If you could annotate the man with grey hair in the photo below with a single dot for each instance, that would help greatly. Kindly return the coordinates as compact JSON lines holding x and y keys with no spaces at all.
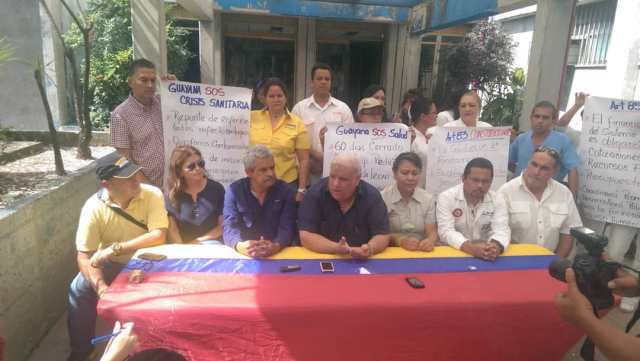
{"x":343,"y":214}
{"x":259,"y":210}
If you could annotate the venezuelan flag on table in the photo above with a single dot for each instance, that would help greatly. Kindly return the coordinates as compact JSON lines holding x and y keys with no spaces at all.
{"x":211,"y":303}
{"x":220,"y":259}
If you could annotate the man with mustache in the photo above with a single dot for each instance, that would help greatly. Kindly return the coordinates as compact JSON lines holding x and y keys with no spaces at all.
{"x":541,"y":210}
{"x":343,"y":214}
{"x":542,"y":118}
{"x":259,"y":210}
{"x":471,"y":217}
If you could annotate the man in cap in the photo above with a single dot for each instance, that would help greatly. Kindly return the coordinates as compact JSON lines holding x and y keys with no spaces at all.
{"x":122,"y":217}
{"x":370,"y":110}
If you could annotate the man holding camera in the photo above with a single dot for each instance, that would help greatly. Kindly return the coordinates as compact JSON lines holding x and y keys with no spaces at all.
{"x":575,"y":308}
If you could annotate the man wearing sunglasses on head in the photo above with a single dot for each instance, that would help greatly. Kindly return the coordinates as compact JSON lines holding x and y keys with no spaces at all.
{"x":541,"y":210}
{"x":543,"y":116}
{"x":121,"y":218}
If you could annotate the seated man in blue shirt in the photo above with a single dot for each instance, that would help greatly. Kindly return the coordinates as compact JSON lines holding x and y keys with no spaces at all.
{"x":521,"y":150}
{"x":342,"y":214}
{"x":259,"y":210}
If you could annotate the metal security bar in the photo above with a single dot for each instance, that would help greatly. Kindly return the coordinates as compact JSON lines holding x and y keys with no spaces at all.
{"x":592,"y":31}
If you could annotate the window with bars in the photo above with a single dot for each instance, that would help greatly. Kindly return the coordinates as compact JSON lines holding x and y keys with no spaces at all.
{"x":592,"y":32}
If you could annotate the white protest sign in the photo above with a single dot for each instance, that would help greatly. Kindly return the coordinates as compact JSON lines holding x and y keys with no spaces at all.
{"x":610,"y":161}
{"x":212,"y":118}
{"x":451,"y":148}
{"x":377,"y":145}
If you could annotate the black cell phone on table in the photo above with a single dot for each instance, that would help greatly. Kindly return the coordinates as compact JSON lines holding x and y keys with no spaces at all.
{"x":414,"y":282}
{"x":291,"y":268}
{"x":154,"y":257}
{"x":327,"y":267}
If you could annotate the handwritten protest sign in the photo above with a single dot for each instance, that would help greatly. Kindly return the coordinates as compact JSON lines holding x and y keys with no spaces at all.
{"x":377,"y":145}
{"x":214,"y":119}
{"x":610,"y":155}
{"x":451,"y":148}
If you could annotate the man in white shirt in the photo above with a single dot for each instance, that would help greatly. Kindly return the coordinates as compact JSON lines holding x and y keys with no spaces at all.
{"x":472,"y":218}
{"x":317,"y":111}
{"x":541,"y":210}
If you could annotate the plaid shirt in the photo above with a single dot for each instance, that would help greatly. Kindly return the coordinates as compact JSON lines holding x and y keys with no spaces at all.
{"x":139,"y":129}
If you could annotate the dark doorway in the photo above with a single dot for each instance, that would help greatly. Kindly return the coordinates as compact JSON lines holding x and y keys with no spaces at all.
{"x":249,"y":60}
{"x":356,"y":65}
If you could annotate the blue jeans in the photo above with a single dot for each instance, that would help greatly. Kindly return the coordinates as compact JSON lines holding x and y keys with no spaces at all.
{"x":82,"y":312}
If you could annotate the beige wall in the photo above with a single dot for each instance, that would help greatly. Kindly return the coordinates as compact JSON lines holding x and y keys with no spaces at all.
{"x":37,"y":262}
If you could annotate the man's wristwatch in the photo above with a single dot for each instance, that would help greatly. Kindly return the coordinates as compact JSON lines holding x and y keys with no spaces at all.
{"x":302,"y":190}
{"x":116,"y":248}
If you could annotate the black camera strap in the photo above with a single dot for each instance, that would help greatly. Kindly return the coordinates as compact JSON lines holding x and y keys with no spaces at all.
{"x":587,"y":351}
{"x":633,"y":320}
{"x":121,"y":212}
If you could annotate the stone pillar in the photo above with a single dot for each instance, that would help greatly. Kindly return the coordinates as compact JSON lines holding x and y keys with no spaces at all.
{"x":411,"y":68}
{"x":53,"y":53}
{"x":305,"y":53}
{"x":149,"y":35}
{"x":211,"y":50}
{"x":19,"y":98}
{"x":623,"y":57}
{"x":547,"y":61}
{"x":400,"y":64}
{"x":390,"y":57}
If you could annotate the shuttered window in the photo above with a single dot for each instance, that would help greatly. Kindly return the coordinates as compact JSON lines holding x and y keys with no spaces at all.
{"x":592,"y":32}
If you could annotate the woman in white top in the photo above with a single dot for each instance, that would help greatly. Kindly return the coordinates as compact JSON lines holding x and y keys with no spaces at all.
{"x":411,"y":209}
{"x":469,"y":109}
{"x":423,"y":113}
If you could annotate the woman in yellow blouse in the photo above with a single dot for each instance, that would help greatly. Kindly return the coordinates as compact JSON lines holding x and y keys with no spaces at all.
{"x":284,"y":134}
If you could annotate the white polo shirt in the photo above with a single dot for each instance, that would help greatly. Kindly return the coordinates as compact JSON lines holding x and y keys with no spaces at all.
{"x":316,"y":117}
{"x":458,"y":222}
{"x":540,"y":222}
{"x":421,"y":148}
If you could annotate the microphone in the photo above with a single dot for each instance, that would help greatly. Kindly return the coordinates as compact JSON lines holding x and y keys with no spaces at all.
{"x":558,"y":267}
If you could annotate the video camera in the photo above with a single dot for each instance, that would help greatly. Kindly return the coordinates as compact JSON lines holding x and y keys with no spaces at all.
{"x":592,"y":272}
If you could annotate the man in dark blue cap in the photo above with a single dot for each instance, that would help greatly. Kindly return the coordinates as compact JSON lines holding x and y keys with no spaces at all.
{"x":122,"y":217}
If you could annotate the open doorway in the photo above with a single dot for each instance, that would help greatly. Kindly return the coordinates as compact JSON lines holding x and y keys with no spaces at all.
{"x":354,"y":52}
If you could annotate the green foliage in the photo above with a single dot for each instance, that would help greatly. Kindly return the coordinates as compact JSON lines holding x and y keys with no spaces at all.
{"x":5,"y":133}
{"x":112,"y":54}
{"x":483,"y":59}
{"x":506,"y":108}
{"x":6,"y":51}
{"x":5,"y":136}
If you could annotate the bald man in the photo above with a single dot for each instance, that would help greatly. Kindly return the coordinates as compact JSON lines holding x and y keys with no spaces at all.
{"x":343,"y":214}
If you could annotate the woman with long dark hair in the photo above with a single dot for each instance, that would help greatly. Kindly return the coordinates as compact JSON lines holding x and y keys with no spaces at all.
{"x":411,"y":210}
{"x":284,"y":134}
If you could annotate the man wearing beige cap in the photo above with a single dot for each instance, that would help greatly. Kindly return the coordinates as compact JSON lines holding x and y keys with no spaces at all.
{"x":121,"y":218}
{"x":370,"y":110}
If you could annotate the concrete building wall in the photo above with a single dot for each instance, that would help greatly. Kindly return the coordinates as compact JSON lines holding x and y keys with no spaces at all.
{"x":521,"y":30}
{"x":19,"y":99}
{"x":619,"y":78}
{"x":37,"y":250}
